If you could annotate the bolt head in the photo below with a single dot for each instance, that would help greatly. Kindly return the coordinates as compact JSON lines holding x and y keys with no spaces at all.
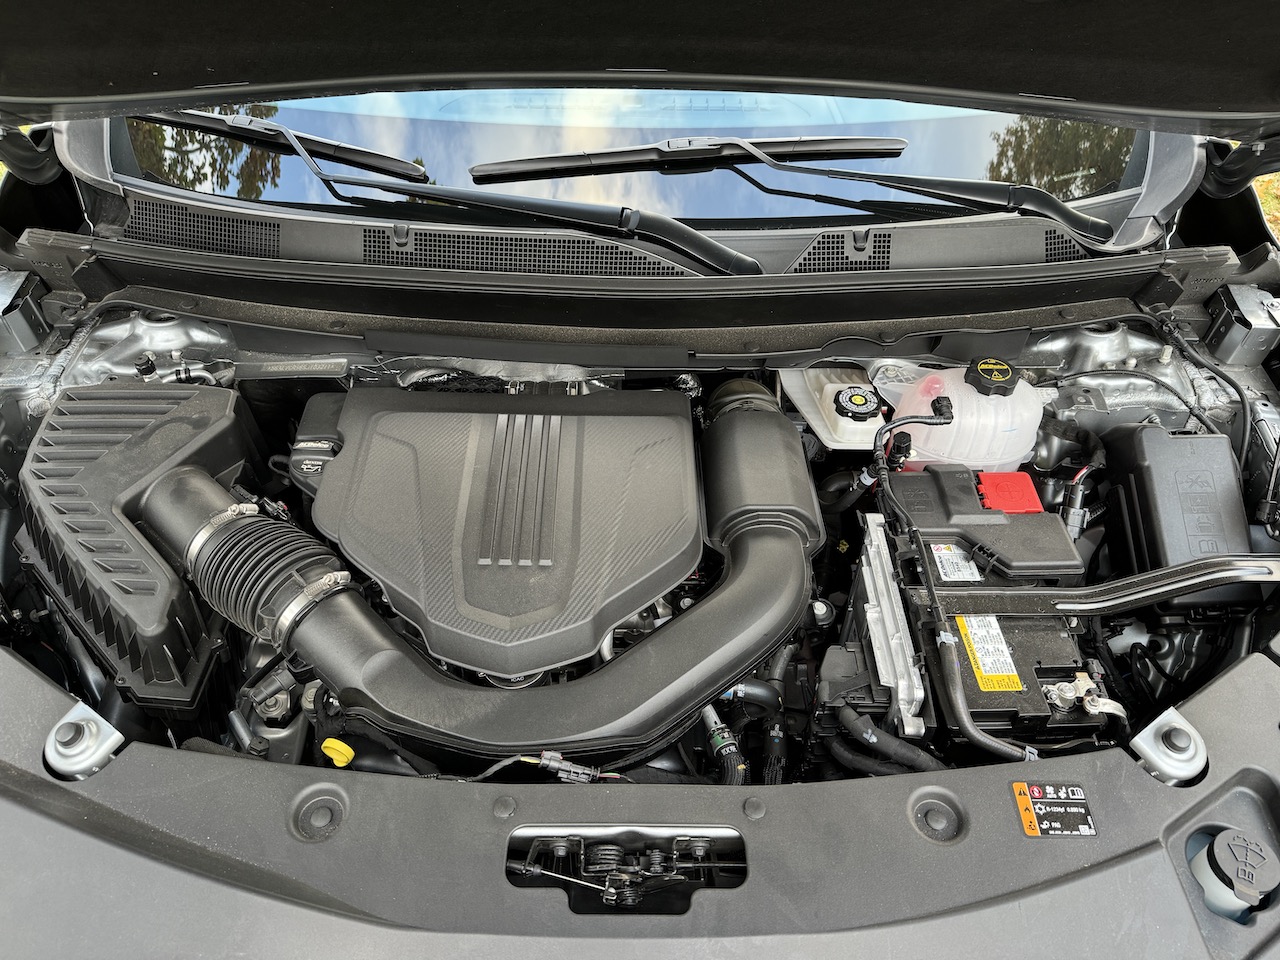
{"x":1177,"y":740}
{"x":69,"y":734}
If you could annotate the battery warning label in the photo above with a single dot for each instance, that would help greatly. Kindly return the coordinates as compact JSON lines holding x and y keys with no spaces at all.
{"x":988,"y":653}
{"x":1053,"y":810}
{"x":955,"y":564}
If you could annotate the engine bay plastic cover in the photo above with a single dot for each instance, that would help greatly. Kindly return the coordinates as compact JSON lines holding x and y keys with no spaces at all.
{"x":514,"y":530}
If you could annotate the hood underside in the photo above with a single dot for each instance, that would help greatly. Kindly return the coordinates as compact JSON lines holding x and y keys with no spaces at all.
{"x":1145,"y":64}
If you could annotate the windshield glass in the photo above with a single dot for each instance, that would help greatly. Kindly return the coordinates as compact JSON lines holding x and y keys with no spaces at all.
{"x":450,"y":131}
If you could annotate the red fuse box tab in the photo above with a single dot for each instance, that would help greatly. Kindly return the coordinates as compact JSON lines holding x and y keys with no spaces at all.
{"x":1010,"y":492}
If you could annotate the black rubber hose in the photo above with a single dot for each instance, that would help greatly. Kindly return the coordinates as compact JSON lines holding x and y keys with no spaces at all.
{"x":778,"y":666}
{"x":850,"y":759}
{"x":886,"y":744}
{"x":954,"y":688}
{"x":775,"y":754}
{"x":837,"y":483}
{"x":760,"y":694}
{"x":842,"y":490}
{"x":387,"y":763}
{"x":733,"y":770}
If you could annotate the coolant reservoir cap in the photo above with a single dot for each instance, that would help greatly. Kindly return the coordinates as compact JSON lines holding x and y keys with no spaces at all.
{"x":991,"y":376}
{"x":857,"y":403}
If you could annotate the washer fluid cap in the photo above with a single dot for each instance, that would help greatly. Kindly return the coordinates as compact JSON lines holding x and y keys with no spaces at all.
{"x":1246,"y":864}
{"x":991,"y":376}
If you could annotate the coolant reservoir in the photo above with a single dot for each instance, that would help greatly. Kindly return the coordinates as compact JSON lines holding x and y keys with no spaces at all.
{"x":997,"y":415}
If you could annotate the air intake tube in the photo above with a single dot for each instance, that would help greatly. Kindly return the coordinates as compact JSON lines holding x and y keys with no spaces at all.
{"x":271,"y":579}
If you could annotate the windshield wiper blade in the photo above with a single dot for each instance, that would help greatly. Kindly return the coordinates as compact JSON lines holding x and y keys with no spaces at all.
{"x":626,"y":223}
{"x":992,"y":195}
{"x":685,"y":154}
{"x":254,"y":132}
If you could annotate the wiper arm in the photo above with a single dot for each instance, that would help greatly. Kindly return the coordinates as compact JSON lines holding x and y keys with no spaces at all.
{"x":684,"y":154}
{"x":626,"y":223}
{"x":991,"y":195}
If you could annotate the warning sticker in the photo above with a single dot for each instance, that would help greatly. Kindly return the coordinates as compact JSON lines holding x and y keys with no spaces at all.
{"x":988,"y":653}
{"x":1053,"y":810}
{"x":954,"y":563}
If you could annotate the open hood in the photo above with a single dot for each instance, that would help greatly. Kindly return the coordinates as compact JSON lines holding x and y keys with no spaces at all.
{"x":1145,"y":64}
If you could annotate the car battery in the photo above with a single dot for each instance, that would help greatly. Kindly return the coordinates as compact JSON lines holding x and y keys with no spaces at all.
{"x":1023,"y":677}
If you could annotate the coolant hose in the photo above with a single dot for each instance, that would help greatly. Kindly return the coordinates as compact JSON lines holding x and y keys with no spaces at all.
{"x":724,"y":747}
{"x":778,"y":667}
{"x":886,"y":744}
{"x":272,"y":580}
{"x":851,"y":759}
{"x":760,"y":694}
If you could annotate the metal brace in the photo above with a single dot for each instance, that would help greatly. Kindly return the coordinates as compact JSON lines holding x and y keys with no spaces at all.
{"x":1116,"y":596}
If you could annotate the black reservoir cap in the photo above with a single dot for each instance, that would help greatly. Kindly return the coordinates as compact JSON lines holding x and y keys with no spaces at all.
{"x":857,"y":403}
{"x":1246,"y":864}
{"x":991,"y":376}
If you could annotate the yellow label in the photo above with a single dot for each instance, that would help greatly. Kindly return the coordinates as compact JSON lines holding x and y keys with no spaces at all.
{"x":1028,"y":816}
{"x":988,"y":653}
{"x":995,"y":370}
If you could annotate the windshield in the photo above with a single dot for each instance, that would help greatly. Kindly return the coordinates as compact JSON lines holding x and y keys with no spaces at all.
{"x":450,"y":131}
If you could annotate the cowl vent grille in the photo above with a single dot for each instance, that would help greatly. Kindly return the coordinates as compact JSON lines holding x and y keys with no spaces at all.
{"x":1060,"y":248}
{"x":842,"y":252}
{"x":173,"y":225}
{"x":554,"y":254}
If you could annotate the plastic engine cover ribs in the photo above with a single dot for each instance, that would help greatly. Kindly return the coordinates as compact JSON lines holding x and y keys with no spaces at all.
{"x":513,"y":531}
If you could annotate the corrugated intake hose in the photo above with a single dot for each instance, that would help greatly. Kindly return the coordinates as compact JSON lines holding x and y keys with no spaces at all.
{"x":762,"y":513}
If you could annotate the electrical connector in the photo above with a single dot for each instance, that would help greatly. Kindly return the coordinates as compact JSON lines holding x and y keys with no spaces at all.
{"x":566,"y":770}
{"x":1073,"y":513}
{"x":1268,"y":511}
{"x":899,"y":450}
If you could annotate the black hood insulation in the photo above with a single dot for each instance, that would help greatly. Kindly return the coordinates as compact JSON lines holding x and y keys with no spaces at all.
{"x":1156,"y":65}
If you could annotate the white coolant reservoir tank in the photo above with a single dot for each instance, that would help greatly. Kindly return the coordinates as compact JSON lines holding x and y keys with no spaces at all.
{"x":839,"y":404}
{"x":996,"y":415}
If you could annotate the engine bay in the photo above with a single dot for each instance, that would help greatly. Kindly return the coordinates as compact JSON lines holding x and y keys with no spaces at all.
{"x":470,"y":570}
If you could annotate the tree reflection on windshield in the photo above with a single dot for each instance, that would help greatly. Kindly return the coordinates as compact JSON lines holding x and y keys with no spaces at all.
{"x":198,"y":161}
{"x":1065,"y":157}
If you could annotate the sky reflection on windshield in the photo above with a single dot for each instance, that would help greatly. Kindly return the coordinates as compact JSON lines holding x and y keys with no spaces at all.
{"x":450,"y":131}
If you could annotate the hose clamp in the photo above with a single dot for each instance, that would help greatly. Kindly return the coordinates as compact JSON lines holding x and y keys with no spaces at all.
{"x":233,"y":512}
{"x":307,"y":598}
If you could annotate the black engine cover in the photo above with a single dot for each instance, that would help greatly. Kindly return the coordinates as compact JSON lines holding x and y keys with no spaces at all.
{"x":513,"y":530}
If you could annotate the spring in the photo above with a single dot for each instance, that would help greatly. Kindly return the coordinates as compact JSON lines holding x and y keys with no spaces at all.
{"x":602,"y":858}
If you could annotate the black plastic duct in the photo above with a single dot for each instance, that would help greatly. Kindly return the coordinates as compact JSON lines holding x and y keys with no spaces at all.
{"x":762,"y":512}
